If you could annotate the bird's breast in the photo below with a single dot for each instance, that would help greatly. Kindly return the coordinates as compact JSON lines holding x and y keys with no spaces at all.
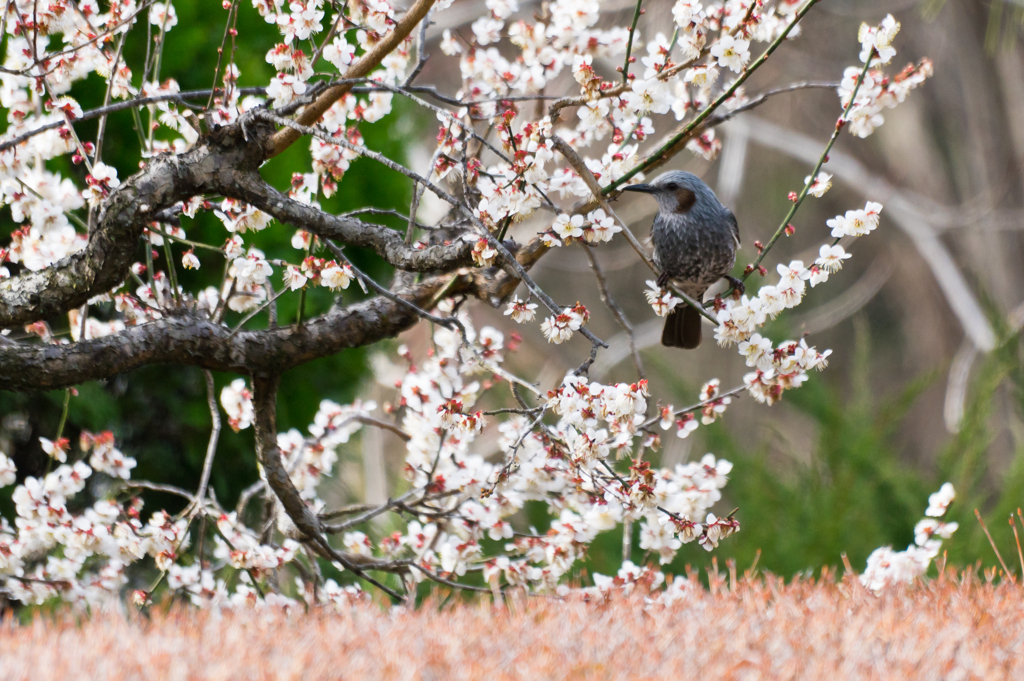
{"x":693,"y":251}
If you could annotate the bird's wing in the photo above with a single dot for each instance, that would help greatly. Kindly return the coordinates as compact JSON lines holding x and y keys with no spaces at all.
{"x":734,"y":225}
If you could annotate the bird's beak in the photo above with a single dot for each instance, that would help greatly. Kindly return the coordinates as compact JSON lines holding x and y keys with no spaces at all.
{"x":645,"y":188}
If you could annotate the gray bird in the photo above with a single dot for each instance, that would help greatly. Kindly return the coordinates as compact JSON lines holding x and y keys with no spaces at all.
{"x":695,"y":240}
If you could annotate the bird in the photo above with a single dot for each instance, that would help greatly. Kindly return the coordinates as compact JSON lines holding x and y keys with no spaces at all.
{"x":695,"y":239}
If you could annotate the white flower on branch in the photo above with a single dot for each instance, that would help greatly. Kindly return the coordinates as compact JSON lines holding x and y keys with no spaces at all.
{"x":705,"y":145}
{"x":336,"y":276}
{"x":234,"y":247}
{"x":237,"y":402}
{"x":701,"y":75}
{"x":661,"y":299}
{"x":101,"y":181}
{"x":106,"y":458}
{"x":521,"y":311}
{"x":55,"y":449}
{"x":879,"y":39}
{"x":163,"y":16}
{"x":685,"y":424}
{"x":648,"y":96}
{"x":686,"y":11}
{"x":483,"y":253}
{"x":858,"y":222}
{"x":284,"y":88}
{"x":568,"y":227}
{"x":294,"y":279}
{"x":601,"y":227}
{"x":732,"y":53}
{"x":252,"y":269}
{"x":831,"y":258}
{"x":339,"y":52}
{"x":8,"y":473}
{"x":886,"y":567}
{"x":239,"y":217}
{"x":583,"y":72}
{"x":940,"y":501}
{"x":822,"y":183}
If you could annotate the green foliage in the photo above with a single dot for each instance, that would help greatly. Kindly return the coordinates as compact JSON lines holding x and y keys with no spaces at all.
{"x":996,"y":489}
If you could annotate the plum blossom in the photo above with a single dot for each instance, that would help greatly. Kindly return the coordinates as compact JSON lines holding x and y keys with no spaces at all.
{"x":521,"y":311}
{"x":55,"y":449}
{"x":856,"y":222}
{"x":337,"y":276}
{"x":830,"y":258}
{"x":660,"y":299}
{"x":879,"y":38}
{"x":568,"y":227}
{"x":685,"y":11}
{"x":732,"y":53}
{"x":602,"y":227}
{"x":252,"y":269}
{"x":339,"y":52}
{"x":685,"y":424}
{"x":560,"y":328}
{"x":101,"y":181}
{"x":237,"y":402}
{"x":8,"y":472}
{"x":483,"y":253}
{"x":284,"y":88}
{"x":940,"y":501}
{"x":886,"y":566}
{"x":163,"y":16}
{"x":649,"y":96}
{"x":821,"y":184}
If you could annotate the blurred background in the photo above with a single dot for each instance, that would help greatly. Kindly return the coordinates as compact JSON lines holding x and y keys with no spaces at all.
{"x":925,"y":383}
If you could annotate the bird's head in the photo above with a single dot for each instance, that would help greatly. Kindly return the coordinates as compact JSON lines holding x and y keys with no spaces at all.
{"x":677,"y":191}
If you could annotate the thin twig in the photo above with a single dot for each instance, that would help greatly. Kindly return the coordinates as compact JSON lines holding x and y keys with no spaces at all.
{"x":1006,"y":570}
{"x":211,"y":446}
{"x":1016,"y":537}
{"x":629,"y":42}
{"x":617,"y":313}
{"x":814,"y":174}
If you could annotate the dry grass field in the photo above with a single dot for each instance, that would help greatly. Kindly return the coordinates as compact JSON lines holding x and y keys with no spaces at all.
{"x":955,"y":627}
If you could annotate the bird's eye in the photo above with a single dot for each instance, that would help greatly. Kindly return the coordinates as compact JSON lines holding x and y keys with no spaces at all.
{"x":672,"y":185}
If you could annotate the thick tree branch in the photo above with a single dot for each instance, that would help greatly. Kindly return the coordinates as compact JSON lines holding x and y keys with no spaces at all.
{"x":269,"y":454}
{"x":223,"y":158}
{"x":264,"y":388}
{"x":192,"y":339}
{"x":386,"y":242}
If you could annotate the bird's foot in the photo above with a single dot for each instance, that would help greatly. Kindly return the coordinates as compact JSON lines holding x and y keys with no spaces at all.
{"x":663,"y":280}
{"x":738,"y":288}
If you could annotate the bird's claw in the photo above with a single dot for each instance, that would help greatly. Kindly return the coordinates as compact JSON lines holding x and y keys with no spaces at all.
{"x":737,"y":286}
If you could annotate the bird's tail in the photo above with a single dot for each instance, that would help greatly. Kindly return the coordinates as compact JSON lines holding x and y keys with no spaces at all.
{"x":682,"y":328}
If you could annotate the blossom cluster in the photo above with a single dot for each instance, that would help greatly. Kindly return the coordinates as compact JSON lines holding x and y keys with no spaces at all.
{"x":886,"y":566}
{"x":878,"y":91}
{"x":585,"y":449}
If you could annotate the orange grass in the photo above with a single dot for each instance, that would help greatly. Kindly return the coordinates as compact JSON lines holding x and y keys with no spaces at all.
{"x":955,"y":627}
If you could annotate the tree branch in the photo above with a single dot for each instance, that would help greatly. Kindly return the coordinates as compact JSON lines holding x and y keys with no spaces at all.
{"x":103,"y":264}
{"x":369,"y":61}
{"x":386,"y":242}
{"x":193,"y":339}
